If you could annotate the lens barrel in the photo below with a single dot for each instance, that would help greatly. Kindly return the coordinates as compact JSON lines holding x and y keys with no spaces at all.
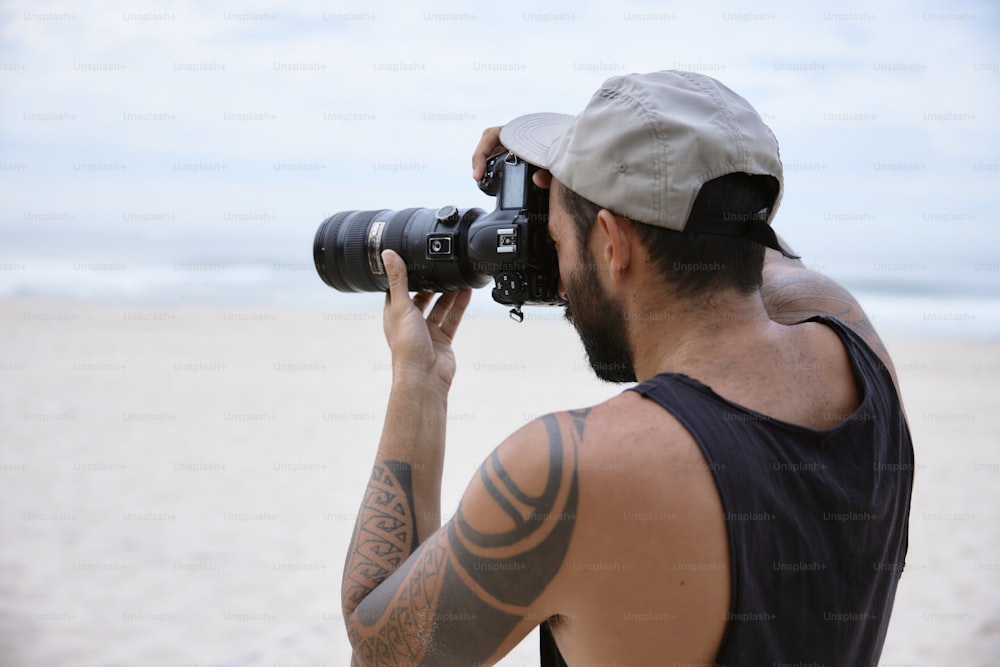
{"x":347,"y":250}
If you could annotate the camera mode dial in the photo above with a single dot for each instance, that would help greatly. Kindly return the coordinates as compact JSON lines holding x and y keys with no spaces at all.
{"x":447,"y":215}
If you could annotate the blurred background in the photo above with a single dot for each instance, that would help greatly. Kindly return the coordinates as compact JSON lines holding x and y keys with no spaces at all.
{"x":183,"y":151}
{"x":187,"y":413}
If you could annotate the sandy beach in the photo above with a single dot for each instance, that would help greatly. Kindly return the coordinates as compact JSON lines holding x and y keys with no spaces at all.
{"x":180,"y":483}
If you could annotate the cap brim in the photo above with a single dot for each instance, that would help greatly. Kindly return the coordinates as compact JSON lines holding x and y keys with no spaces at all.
{"x":532,"y":137}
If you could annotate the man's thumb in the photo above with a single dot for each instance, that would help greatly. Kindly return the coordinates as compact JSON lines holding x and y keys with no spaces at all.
{"x":395,"y":271}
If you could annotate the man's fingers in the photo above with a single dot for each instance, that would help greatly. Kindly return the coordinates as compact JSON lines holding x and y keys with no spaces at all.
{"x":487,"y":146}
{"x":421,"y":299}
{"x":448,"y":310}
{"x":450,"y":324}
{"x":542,"y":178}
{"x":441,"y":307}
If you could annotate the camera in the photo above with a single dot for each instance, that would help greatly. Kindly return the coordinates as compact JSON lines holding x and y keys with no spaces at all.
{"x":450,"y":248}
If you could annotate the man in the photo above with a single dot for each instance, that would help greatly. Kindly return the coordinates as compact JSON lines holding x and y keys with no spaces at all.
{"x":745,"y":503}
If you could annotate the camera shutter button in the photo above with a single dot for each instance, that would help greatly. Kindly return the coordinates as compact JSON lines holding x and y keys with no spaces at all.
{"x":447,"y":215}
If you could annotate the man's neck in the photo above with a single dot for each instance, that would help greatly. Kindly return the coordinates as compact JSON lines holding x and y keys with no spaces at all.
{"x":697,"y":339}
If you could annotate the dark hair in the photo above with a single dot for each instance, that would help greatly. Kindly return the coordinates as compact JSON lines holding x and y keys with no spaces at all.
{"x":698,"y":264}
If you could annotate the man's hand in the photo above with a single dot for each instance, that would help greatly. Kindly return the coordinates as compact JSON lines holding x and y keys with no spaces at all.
{"x":488,"y":146}
{"x":421,"y":348}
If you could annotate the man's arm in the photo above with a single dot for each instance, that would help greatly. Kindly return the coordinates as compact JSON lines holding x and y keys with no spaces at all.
{"x":416,"y":593}
{"x":473,"y":589}
{"x":389,"y":526}
{"x":401,"y":504}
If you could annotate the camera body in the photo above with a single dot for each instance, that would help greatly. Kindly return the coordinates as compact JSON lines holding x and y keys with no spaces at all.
{"x":451,"y":248}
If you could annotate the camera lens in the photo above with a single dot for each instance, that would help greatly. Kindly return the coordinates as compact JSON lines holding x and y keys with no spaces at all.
{"x":347,"y":250}
{"x":340,"y":252}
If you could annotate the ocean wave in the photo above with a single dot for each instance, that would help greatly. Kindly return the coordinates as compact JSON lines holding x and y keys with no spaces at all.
{"x":962,"y":299}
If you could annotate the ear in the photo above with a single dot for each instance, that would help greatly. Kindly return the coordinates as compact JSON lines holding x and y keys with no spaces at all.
{"x":618,"y":238}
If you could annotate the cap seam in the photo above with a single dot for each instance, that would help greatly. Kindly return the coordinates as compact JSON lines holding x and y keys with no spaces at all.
{"x":732,"y":126}
{"x":652,"y":130}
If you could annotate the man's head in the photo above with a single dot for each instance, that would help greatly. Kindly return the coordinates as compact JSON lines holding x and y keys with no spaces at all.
{"x":695,"y":264}
{"x":597,"y":317}
{"x":646,"y":144}
{"x":687,"y":164}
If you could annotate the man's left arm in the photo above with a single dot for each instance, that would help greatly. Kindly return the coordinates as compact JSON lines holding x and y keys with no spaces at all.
{"x":401,"y":504}
{"x":393,"y":518}
{"x":478,"y":585}
{"x":416,"y":593}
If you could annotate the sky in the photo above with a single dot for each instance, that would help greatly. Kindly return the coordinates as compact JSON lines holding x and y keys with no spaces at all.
{"x":132,"y":127}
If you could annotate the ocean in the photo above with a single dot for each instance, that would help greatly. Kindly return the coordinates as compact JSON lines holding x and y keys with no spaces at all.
{"x":957,"y":297}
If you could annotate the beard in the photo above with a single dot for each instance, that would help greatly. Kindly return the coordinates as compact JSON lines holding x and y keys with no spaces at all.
{"x":600,"y":322}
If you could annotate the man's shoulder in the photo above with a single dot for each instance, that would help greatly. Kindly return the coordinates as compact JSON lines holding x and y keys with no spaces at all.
{"x":647,"y":502}
{"x":623,"y":424}
{"x":631,"y":422}
{"x":612,"y":445}
{"x":628,"y":446}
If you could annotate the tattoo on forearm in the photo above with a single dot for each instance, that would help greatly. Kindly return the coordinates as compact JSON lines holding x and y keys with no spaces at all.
{"x":385,"y":534}
{"x":465,"y":590}
{"x":410,"y":616}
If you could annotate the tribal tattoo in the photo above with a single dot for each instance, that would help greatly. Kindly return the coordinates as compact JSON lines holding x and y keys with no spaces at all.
{"x":790,"y":298}
{"x":385,"y":534}
{"x":466,"y":588}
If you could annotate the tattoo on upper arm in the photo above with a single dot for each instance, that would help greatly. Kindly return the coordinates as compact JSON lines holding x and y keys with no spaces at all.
{"x":790,"y":299}
{"x":466,"y":589}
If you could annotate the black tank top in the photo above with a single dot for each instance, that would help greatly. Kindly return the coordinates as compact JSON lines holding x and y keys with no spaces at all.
{"x":817,"y":520}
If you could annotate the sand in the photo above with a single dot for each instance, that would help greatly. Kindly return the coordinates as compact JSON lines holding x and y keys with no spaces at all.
{"x":180,"y":483}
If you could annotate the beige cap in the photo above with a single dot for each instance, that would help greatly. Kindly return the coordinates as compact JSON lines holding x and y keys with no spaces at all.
{"x":646,"y":143}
